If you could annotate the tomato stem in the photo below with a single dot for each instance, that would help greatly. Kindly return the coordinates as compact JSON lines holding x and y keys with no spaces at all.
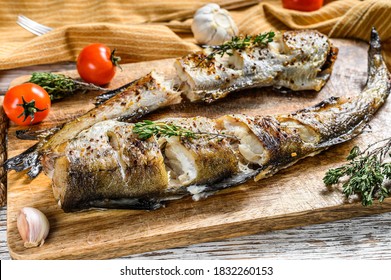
{"x":29,"y":109}
{"x":115,"y":59}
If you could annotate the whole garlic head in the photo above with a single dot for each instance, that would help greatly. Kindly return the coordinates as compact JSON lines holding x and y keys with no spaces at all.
{"x":33,"y":226}
{"x":213,"y":25}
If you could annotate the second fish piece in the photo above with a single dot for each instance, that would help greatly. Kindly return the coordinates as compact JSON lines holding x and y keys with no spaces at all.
{"x":297,"y":60}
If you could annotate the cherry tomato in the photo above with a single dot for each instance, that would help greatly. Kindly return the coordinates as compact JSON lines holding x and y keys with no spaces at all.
{"x":302,"y":5}
{"x":26,"y":104}
{"x":97,"y":64}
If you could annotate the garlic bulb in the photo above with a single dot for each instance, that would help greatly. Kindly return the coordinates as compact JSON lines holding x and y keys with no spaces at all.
{"x":213,"y":25}
{"x":33,"y":226}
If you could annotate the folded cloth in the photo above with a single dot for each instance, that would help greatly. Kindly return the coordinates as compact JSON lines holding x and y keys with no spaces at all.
{"x":156,"y":29}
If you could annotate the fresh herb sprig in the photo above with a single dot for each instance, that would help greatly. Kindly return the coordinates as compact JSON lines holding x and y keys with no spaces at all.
{"x":240,"y":43}
{"x":366,"y":172}
{"x":146,"y":129}
{"x":58,"y":85}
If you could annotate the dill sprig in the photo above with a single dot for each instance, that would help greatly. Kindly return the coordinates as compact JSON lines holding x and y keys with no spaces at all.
{"x":240,"y":43}
{"x":366,"y":173}
{"x":58,"y":85}
{"x":146,"y":129}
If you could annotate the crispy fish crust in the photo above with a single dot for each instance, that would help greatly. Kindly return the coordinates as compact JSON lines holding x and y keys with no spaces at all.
{"x":144,"y":174}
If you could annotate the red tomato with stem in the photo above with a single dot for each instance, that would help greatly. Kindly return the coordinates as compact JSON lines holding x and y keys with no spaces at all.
{"x":302,"y":5}
{"x":26,"y":104}
{"x":97,"y":64}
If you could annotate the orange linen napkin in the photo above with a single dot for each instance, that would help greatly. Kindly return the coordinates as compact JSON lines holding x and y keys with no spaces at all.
{"x":155,"y":29}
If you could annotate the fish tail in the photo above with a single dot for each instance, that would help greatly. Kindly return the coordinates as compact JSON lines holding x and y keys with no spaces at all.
{"x":100,"y":99}
{"x":375,"y":44}
{"x":376,"y":64}
{"x":28,"y":160}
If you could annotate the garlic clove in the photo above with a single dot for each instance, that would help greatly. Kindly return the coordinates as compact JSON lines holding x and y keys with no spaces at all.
{"x":220,"y":34}
{"x":33,"y":227}
{"x":204,"y":33}
{"x":213,"y":25}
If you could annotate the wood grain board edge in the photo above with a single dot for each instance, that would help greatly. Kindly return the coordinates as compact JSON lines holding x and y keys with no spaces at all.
{"x":218,"y":233}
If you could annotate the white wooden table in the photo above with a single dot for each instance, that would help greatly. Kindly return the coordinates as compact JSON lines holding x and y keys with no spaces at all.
{"x":358,"y":238}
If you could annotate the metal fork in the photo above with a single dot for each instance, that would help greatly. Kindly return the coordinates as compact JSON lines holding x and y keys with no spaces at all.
{"x":33,"y":26}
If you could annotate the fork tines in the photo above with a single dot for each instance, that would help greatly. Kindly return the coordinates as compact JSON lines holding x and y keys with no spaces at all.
{"x":33,"y":26}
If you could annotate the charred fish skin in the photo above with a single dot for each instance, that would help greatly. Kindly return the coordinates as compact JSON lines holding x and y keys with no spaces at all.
{"x":107,"y":161}
{"x":298,"y":60}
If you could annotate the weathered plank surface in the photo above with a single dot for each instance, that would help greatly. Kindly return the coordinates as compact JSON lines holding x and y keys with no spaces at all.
{"x":277,"y":203}
{"x":358,"y":238}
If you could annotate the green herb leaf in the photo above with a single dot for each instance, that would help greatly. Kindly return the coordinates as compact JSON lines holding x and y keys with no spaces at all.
{"x":239,"y":43}
{"x":365,"y":173}
{"x":354,"y":153}
{"x":146,"y":129}
{"x":58,"y":85}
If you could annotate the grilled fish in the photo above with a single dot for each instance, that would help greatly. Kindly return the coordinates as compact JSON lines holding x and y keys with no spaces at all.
{"x":108,"y":165}
{"x":298,"y":60}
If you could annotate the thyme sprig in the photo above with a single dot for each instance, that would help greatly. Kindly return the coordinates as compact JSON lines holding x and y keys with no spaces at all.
{"x":239,"y":43}
{"x":58,"y":85}
{"x":366,"y":172}
{"x":146,"y":129}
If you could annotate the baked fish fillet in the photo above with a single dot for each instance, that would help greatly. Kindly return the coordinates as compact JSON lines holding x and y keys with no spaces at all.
{"x":298,"y":60}
{"x":108,"y":165}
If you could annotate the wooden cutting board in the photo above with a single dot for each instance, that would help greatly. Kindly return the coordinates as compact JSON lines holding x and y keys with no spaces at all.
{"x":294,"y":197}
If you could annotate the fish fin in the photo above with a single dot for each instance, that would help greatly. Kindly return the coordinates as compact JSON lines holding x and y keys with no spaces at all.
{"x":203,"y":191}
{"x":31,"y":134}
{"x":100,"y":99}
{"x":29,"y":159}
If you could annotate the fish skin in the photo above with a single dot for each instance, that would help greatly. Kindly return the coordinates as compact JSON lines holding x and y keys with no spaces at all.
{"x":285,"y":139}
{"x":298,"y":60}
{"x":107,"y":161}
